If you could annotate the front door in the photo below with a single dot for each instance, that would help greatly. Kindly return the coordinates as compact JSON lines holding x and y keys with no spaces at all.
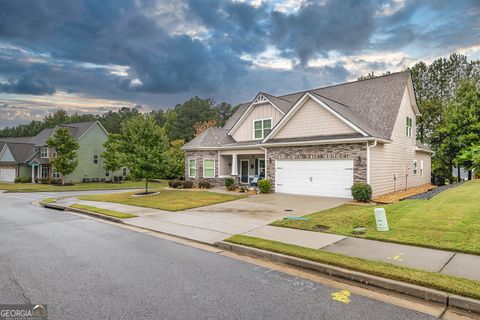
{"x":244,"y":171}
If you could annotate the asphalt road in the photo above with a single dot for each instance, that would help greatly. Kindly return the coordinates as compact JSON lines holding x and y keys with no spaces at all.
{"x":86,"y":269}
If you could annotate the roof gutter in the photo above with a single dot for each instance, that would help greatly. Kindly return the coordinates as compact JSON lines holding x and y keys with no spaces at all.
{"x":292,"y":143}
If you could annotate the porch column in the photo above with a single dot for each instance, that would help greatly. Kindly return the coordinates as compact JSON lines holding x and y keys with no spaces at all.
{"x":33,"y":174}
{"x":234,"y":165}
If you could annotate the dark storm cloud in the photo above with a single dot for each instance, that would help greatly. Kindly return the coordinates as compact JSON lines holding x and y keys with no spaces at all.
{"x":29,"y":83}
{"x":319,"y":28}
{"x":56,"y":38}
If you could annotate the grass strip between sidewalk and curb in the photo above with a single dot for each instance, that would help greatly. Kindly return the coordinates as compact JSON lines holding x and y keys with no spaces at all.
{"x":106,"y":212}
{"x":433,"y":280}
{"x":49,"y":200}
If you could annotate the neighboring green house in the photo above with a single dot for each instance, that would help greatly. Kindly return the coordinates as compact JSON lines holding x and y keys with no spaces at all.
{"x":30,"y":156}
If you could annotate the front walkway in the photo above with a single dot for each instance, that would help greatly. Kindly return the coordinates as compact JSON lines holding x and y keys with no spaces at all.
{"x":452,"y":263}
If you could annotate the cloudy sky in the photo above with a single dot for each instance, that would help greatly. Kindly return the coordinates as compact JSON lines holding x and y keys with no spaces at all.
{"x":94,"y":56}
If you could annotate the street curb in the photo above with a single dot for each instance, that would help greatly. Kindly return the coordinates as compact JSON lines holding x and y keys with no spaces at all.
{"x":94,"y":214}
{"x":393,"y":285}
{"x":86,"y":212}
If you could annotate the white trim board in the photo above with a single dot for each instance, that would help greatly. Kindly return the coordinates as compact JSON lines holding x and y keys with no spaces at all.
{"x":249,"y":109}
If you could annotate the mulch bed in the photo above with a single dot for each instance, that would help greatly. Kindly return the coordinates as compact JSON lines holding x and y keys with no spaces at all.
{"x":403,"y":194}
{"x":432,"y":193}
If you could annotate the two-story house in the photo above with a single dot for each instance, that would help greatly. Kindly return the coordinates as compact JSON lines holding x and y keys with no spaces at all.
{"x":319,"y":142}
{"x":30,"y":156}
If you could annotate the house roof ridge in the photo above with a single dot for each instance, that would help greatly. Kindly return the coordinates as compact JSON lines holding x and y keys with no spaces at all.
{"x":345,"y":83}
{"x":322,"y":96}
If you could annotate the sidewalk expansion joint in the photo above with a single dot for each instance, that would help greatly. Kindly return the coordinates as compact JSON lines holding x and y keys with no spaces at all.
{"x":448,"y":261}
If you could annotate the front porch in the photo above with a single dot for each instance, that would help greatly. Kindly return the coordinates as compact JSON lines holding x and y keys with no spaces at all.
{"x":242,"y":165}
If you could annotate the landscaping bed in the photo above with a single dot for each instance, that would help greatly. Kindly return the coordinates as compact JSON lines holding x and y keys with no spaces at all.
{"x":170,"y":200}
{"x":434,"y":280}
{"x":403,"y":194}
{"x":433,"y":192}
{"x":449,"y":221}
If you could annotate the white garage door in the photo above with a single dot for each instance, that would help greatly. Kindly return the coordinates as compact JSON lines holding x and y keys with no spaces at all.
{"x":328,"y":178}
{"x":7,"y":175}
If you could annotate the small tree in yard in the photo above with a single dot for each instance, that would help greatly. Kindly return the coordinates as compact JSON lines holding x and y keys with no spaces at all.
{"x":175,"y":159}
{"x":112,"y":157}
{"x":66,"y":146}
{"x":142,"y":145}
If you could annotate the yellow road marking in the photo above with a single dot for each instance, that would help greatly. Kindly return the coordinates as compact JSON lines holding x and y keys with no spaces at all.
{"x":342,"y":296}
{"x":397,"y":257}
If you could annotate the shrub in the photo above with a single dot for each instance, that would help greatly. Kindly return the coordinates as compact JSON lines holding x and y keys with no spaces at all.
{"x":477,"y":175}
{"x":175,"y":183}
{"x":230,"y":183}
{"x":362,"y":192}
{"x":187,"y":184}
{"x":55,"y":181}
{"x":23,"y":180}
{"x":44,"y":180}
{"x":243,"y":189}
{"x":264,"y":186}
{"x":204,"y":184}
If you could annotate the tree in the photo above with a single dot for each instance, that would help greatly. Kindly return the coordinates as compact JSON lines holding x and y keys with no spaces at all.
{"x":175,"y":158}
{"x":472,"y":157}
{"x":142,"y":145}
{"x":112,"y":158}
{"x":65,"y":146}
{"x":195,"y":110}
{"x":224,"y":111}
{"x":202,"y":126}
{"x":461,"y":126}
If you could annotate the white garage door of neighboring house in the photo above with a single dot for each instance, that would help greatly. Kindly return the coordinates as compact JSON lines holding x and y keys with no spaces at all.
{"x":328,"y":178}
{"x":7,"y":174}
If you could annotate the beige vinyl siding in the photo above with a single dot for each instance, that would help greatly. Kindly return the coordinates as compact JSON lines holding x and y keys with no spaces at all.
{"x":397,"y":157}
{"x":312,"y":119}
{"x":261,"y":111}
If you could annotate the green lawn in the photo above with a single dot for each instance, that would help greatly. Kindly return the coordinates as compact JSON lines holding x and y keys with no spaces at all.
{"x":170,"y":200}
{"x":29,"y":187}
{"x":106,"y":212}
{"x":451,"y":284}
{"x":450,"y":220}
{"x":49,"y":200}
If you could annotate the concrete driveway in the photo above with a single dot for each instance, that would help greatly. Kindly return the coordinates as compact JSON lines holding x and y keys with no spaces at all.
{"x":217,"y":222}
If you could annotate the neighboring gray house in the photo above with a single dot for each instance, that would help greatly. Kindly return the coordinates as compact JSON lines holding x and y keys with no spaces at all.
{"x":319,"y":142}
{"x":30,"y":156}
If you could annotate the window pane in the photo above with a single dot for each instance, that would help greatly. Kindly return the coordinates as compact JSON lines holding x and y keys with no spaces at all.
{"x":209,"y":173}
{"x":258,"y":134}
{"x":208,"y":164}
{"x":192,"y":172}
{"x":191,"y":164}
{"x":267,"y":124}
{"x":258,"y":124}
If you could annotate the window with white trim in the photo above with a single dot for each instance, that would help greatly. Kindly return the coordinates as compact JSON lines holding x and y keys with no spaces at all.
{"x":421,"y":168}
{"x":107,"y":173}
{"x":124,"y":171}
{"x":414,"y":166}
{"x":208,"y":168}
{"x":192,"y":168}
{"x":261,"y":128}
{"x":95,"y":159}
{"x":44,"y":152}
{"x":409,"y":127}
{"x":44,"y":172}
{"x":54,"y":154}
{"x":55,"y":174}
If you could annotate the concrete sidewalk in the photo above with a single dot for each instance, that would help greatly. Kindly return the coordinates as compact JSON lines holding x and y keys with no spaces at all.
{"x":447,"y":262}
{"x":210,"y":226}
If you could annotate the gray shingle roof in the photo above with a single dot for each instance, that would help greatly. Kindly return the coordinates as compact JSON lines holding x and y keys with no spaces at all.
{"x":372,"y":105}
{"x":23,"y":148}
{"x":20,"y":151}
{"x":210,"y":138}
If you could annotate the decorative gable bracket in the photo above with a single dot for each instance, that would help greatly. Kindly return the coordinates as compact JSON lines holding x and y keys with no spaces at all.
{"x":260,"y":99}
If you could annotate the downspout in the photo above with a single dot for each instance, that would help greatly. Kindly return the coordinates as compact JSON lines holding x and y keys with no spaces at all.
{"x":266,"y":161}
{"x":369,"y":159}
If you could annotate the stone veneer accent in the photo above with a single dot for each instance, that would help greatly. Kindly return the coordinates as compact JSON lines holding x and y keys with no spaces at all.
{"x":199,"y":156}
{"x":354,"y":151}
